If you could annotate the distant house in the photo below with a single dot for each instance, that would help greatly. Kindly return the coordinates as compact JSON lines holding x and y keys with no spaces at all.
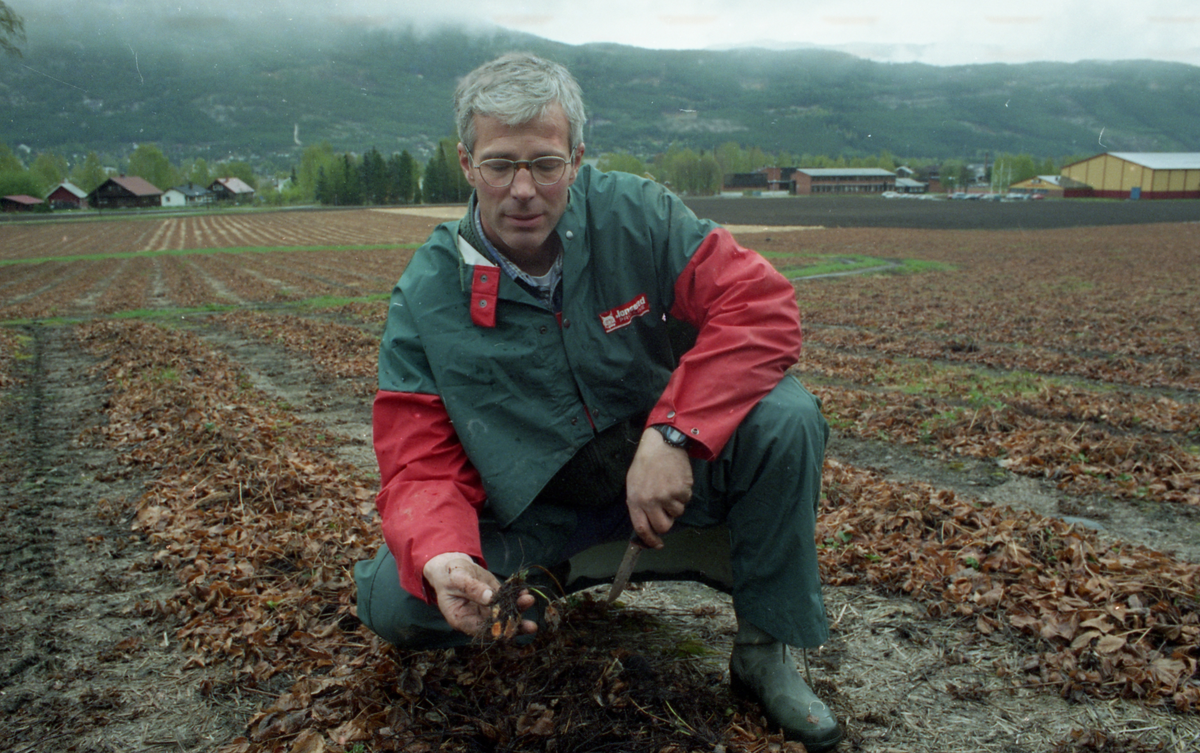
{"x":67,"y":195}
{"x":231,"y":189}
{"x":812,"y":180}
{"x":1136,"y":175}
{"x":19,"y":203}
{"x":123,"y":192}
{"x":187,"y":196}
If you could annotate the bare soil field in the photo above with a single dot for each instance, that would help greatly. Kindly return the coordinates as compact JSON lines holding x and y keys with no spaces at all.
{"x":940,"y":214}
{"x":1011,"y":540}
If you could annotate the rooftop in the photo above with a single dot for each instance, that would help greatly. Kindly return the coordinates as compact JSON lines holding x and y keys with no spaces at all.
{"x":848,"y":172}
{"x":1162,"y":160}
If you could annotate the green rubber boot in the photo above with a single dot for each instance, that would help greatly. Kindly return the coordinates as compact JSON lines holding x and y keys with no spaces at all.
{"x":765,"y":672}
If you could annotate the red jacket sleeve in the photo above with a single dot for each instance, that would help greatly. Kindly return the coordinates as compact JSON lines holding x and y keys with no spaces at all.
{"x":430,"y":494}
{"x":748,"y":328}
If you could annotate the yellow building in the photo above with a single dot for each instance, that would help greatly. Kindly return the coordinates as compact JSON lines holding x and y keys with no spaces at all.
{"x":1145,"y":175}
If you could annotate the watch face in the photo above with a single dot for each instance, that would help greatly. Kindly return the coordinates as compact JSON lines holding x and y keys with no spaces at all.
{"x":672,"y":436}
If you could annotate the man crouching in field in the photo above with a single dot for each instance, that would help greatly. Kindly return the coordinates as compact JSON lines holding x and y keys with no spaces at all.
{"x":531,"y":403}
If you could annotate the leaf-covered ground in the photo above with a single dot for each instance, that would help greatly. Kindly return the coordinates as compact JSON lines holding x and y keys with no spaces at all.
{"x":241,"y":494}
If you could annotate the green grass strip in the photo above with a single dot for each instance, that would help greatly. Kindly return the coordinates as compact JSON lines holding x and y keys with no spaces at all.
{"x":202,"y":251}
{"x":816,"y":265}
{"x":851,"y":265}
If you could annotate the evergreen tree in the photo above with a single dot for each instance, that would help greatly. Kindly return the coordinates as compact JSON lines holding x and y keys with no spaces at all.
{"x":436,"y":188}
{"x":352,"y":187}
{"x":321,"y":187}
{"x":458,"y":189}
{"x":403,"y":178}
{"x":373,"y":174}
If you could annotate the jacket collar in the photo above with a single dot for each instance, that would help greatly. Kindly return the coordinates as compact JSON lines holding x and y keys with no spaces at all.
{"x":470,"y":245}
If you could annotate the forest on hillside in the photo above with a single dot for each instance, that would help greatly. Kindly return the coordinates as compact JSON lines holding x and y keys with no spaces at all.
{"x":263,"y":95}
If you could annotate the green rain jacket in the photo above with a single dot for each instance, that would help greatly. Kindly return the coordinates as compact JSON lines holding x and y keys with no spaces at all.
{"x":484,"y":394}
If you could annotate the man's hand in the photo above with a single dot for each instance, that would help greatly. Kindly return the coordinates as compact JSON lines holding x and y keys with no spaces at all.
{"x":464,"y":592}
{"x":658,"y":487}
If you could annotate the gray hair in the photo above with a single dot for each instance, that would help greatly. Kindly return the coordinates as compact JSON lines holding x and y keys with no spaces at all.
{"x":517,"y":88}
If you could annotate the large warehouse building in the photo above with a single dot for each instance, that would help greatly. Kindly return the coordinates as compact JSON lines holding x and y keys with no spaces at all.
{"x":1136,"y":175}
{"x":843,"y":180}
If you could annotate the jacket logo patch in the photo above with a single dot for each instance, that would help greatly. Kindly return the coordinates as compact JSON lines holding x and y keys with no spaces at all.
{"x":622,"y":316}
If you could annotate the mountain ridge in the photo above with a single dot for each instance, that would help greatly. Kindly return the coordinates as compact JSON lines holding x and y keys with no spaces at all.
{"x":220,"y":91}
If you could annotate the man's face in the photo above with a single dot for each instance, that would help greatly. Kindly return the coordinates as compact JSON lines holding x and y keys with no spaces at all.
{"x":519,"y":218}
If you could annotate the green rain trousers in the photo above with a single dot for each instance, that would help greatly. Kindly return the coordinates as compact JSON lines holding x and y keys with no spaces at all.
{"x":763,"y":489}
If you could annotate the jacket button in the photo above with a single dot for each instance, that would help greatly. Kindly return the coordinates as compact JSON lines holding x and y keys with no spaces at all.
{"x":566,"y":323}
{"x":570,"y":234}
{"x":541,"y":330}
{"x":595,"y":412}
{"x":482,"y":303}
{"x":671,"y":414}
{"x":574,"y":421}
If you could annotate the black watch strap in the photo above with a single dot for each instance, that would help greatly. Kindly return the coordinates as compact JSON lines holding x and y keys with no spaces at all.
{"x":671,"y":435}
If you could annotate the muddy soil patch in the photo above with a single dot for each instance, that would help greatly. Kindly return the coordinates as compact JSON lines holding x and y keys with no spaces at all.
{"x":343,"y":407}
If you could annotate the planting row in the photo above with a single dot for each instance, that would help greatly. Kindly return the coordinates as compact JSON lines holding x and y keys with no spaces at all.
{"x":112,"y":285}
{"x":1083,"y":457}
{"x":1166,"y":371}
{"x":249,"y":230}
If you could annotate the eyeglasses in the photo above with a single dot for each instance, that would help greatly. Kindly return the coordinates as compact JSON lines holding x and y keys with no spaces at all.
{"x":499,"y":173}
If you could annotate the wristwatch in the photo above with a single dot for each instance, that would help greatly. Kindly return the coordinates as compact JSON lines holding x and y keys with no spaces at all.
{"x":672,"y":436}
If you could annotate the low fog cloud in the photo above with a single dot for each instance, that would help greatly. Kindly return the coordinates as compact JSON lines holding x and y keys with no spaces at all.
{"x":939,"y":32}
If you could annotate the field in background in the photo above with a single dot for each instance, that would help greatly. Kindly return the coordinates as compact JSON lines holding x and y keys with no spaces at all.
{"x":1057,"y":369}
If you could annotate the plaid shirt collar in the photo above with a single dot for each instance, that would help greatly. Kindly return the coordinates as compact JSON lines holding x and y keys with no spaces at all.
{"x":545,"y":288}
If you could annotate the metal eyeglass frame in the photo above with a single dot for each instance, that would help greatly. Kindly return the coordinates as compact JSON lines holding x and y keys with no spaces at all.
{"x":515,"y":166}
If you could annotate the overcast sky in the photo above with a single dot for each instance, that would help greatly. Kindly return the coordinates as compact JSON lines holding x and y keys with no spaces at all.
{"x":938,"y":32}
